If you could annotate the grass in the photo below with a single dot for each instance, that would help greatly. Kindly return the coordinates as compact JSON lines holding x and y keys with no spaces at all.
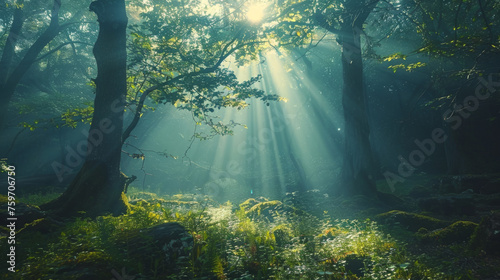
{"x":259,"y":239}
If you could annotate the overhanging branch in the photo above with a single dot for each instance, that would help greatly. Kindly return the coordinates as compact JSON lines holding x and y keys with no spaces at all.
{"x":225,"y":53}
{"x":59,"y":47}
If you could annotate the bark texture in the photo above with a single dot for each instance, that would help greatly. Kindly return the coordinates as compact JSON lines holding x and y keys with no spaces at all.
{"x":98,"y":187}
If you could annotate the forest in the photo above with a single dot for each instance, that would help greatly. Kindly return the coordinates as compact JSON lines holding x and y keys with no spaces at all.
{"x":250,"y":139}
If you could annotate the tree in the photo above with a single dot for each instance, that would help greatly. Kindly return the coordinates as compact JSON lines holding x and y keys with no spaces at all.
{"x":10,"y":75}
{"x":461,"y":39}
{"x":358,"y":168}
{"x":99,"y":183}
{"x":345,"y":20}
{"x":176,"y":56}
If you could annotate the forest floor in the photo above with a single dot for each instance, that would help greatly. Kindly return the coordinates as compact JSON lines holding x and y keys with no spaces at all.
{"x":439,"y":227}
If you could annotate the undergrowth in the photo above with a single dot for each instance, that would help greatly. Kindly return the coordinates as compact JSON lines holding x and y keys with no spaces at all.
{"x":258,"y":239}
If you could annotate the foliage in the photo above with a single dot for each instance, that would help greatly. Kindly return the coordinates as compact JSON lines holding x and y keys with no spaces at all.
{"x":3,"y":166}
{"x":179,"y":54}
{"x":38,"y":198}
{"x":279,"y":242}
{"x":56,"y":78}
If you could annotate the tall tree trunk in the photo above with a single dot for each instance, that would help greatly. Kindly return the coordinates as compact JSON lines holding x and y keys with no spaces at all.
{"x":358,"y":165}
{"x":98,"y":186}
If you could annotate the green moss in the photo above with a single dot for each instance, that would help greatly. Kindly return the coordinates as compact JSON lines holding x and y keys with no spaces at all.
{"x":263,"y":206}
{"x":38,"y":198}
{"x":455,"y":233}
{"x":282,"y":234}
{"x":92,"y":257}
{"x":141,"y":195}
{"x":411,"y":221}
{"x":125,"y":201}
{"x":43,"y":225}
{"x":247,"y":204}
{"x":479,"y":238}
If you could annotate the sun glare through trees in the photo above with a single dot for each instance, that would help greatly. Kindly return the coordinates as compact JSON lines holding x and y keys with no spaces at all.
{"x":250,"y":139}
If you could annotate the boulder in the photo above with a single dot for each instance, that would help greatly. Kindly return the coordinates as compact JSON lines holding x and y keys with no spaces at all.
{"x":457,"y":232}
{"x":410,"y":221}
{"x":162,"y":247}
{"x":487,"y":235}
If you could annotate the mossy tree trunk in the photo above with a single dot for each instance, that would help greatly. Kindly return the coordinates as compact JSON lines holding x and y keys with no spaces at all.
{"x":98,"y":186}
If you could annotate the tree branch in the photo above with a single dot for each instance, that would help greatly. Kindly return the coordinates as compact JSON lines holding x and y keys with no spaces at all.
{"x":35,"y":49}
{"x":224,"y":54}
{"x":322,"y":22}
{"x":456,"y":21}
{"x":8,"y":50}
{"x":59,"y":47}
{"x":485,"y":18}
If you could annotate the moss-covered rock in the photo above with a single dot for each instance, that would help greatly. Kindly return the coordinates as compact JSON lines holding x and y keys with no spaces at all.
{"x":486,"y":237}
{"x":457,"y":232}
{"x":259,"y":207}
{"x":162,"y":246}
{"x":85,"y":265}
{"x":410,"y":221}
{"x":249,"y":203}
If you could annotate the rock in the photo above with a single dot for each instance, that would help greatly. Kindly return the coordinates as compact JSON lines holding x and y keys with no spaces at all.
{"x":411,"y":221}
{"x":457,"y":232}
{"x":355,"y":264}
{"x":487,"y":235}
{"x":166,"y":244}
